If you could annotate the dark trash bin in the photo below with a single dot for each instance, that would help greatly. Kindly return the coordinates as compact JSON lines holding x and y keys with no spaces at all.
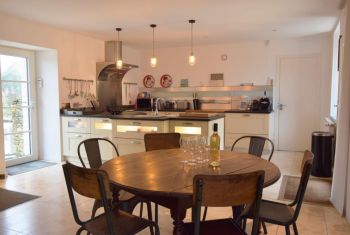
{"x":322,"y":148}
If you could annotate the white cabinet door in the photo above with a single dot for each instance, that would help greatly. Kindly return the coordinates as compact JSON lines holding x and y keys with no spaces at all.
{"x":102,"y":126}
{"x":76,"y":124}
{"x":71,"y":142}
{"x":106,"y":149}
{"x":127,"y":146}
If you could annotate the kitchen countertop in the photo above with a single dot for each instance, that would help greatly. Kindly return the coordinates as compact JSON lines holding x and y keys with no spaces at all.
{"x":149,"y":117}
{"x":230,"y":111}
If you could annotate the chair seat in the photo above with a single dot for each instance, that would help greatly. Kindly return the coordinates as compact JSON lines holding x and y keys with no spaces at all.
{"x":123,"y":224}
{"x":213,"y":227}
{"x":272,"y":212}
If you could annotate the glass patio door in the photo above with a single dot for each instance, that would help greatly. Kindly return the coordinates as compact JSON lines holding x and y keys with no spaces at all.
{"x":18,"y":113}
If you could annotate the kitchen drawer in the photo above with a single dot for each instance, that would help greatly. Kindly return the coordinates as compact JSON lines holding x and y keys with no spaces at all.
{"x":189,"y":127}
{"x":127,"y":146}
{"x":257,"y":124}
{"x":76,"y":124}
{"x":136,"y":129}
{"x":102,"y":126}
{"x":71,"y":142}
{"x":230,"y":138}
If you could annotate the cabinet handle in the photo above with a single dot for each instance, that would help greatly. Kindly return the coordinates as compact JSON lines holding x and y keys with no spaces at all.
{"x":188,"y":123}
{"x":77,"y":119}
{"x":77,"y":136}
{"x":136,"y":123}
{"x":104,"y":120}
{"x":135,"y":142}
{"x":246,"y":115}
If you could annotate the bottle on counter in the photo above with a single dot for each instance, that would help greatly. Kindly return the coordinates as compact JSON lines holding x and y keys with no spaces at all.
{"x":215,"y":147}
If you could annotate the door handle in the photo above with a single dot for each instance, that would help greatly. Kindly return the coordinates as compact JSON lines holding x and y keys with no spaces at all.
{"x":280,"y":106}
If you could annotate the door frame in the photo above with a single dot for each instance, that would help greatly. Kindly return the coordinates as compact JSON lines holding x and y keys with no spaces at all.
{"x":277,"y":91}
{"x":30,"y":56}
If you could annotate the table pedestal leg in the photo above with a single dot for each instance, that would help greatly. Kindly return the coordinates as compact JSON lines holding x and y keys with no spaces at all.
{"x":178,"y":215}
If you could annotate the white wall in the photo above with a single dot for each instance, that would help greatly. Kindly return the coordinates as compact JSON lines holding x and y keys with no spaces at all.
{"x":49,"y":148}
{"x":77,"y":54}
{"x":246,"y":62}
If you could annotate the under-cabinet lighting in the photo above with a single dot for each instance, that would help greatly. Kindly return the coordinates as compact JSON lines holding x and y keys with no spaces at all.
{"x":127,"y":128}
{"x":188,"y":130}
{"x":103,"y":126}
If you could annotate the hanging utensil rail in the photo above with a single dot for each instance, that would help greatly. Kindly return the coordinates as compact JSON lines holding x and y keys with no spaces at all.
{"x":79,"y":80}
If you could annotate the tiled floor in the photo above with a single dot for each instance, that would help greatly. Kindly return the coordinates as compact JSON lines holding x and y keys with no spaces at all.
{"x":51,"y":213}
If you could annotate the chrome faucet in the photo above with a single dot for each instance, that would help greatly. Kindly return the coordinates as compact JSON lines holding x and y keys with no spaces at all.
{"x":156,"y":104}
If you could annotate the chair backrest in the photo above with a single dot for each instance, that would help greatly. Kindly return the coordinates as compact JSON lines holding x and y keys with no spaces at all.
{"x":256,"y":145}
{"x":90,"y":183}
{"x":157,"y":141}
{"x":228,"y":190}
{"x":305,"y":175}
{"x":93,"y":153}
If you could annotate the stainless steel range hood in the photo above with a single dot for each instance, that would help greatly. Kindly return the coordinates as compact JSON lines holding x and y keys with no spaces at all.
{"x":109,"y":77}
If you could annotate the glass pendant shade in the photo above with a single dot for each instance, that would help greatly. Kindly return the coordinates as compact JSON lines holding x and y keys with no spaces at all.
{"x":119,"y":64}
{"x":153,"y":62}
{"x":192,"y":60}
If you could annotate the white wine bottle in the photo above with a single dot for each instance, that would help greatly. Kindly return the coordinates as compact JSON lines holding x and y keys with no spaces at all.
{"x":215,"y":147}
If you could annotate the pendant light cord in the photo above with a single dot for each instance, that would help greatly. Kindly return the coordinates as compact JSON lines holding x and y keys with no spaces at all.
{"x":191,"y":38}
{"x":153,"y":43}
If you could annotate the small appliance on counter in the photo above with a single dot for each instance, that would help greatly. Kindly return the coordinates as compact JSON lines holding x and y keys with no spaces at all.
{"x":264,"y":103}
{"x":80,"y":111}
{"x":196,"y":102}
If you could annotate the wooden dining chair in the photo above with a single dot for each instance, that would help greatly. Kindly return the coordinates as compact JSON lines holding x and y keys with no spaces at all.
{"x":157,"y":141}
{"x":127,"y":201}
{"x":285,"y":214}
{"x":224,"y":191}
{"x":256,"y":147}
{"x":93,"y":183}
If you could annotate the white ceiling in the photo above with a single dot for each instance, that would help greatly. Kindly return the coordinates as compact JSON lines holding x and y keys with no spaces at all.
{"x":219,"y":21}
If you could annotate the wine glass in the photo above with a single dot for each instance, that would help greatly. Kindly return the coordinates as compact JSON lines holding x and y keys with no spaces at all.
{"x":185,"y":146}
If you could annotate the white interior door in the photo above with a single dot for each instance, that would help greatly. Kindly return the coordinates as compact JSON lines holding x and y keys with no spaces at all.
{"x":299,"y":101}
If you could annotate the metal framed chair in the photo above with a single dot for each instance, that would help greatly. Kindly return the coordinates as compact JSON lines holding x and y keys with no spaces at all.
{"x":157,"y":141}
{"x":127,"y":201}
{"x":95,"y":184}
{"x":280,"y":213}
{"x":256,"y":145}
{"x":226,"y":193}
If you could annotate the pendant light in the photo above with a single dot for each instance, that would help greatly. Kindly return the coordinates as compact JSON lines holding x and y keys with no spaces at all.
{"x":153,"y":61}
{"x":118,"y":59}
{"x":191,"y":58}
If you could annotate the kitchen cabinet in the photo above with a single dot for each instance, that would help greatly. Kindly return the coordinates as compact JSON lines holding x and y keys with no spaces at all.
{"x":77,"y":129}
{"x":129,"y":134}
{"x":203,"y":128}
{"x":127,"y":146}
{"x":240,"y":124}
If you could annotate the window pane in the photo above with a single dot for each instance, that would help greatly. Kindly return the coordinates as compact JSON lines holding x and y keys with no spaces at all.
{"x":14,"y":94}
{"x":17,"y":145}
{"x":13,"y":68}
{"x":16,"y":119}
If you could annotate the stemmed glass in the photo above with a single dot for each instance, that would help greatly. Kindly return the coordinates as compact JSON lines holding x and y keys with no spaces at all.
{"x":185,"y":146}
{"x":192,"y":151}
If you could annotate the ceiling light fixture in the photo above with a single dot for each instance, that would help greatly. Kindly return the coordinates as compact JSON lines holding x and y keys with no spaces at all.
{"x":192,"y":58}
{"x":119,"y":53}
{"x":153,"y":61}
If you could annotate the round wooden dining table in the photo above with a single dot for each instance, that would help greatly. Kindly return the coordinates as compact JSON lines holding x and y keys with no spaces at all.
{"x":161,"y":176}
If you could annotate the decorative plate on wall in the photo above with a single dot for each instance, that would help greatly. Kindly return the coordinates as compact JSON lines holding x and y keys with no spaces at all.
{"x":148,"y":81}
{"x":166,"y":81}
